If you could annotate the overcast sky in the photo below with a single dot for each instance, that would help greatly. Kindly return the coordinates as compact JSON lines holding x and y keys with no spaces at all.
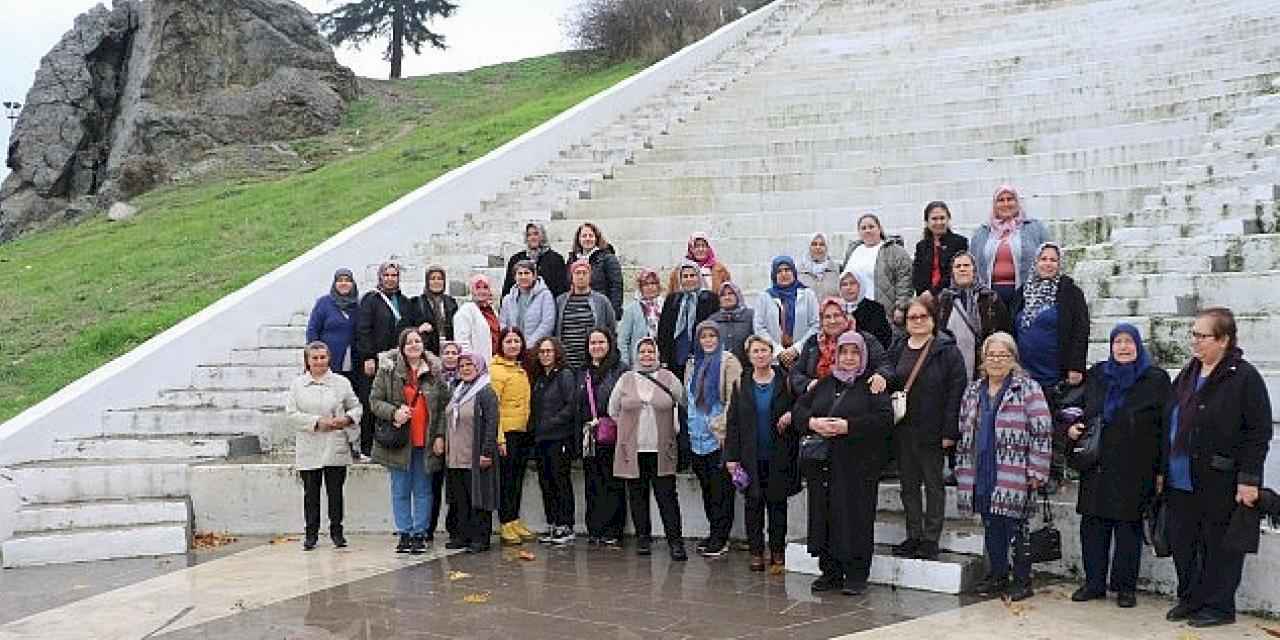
{"x":481,"y":32}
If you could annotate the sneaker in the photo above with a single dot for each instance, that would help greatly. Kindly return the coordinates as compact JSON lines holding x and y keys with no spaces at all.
{"x":455,"y":543}
{"x":906,"y":549}
{"x":523,"y":531}
{"x":926,"y":550}
{"x":644,"y":546}
{"x":1126,"y":600}
{"x":702,"y":545}
{"x":547,"y":536}
{"x":854,"y":587}
{"x":563,"y":535}
{"x":826,"y":583}
{"x":309,"y":543}
{"x":507,"y":535}
{"x":405,"y":542}
{"x":1084,"y":594}
{"x":593,"y":540}
{"x":715,"y":550}
{"x":678,"y":554}
{"x":991,"y":586}
{"x":611,"y":542}
{"x":339,"y":540}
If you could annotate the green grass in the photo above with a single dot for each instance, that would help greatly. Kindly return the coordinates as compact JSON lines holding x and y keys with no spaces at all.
{"x":79,"y":296}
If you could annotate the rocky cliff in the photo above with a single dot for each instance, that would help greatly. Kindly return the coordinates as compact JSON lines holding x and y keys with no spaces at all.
{"x":132,"y":93}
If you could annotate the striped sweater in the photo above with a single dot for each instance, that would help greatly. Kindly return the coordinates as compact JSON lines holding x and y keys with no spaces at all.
{"x":1024,"y":431}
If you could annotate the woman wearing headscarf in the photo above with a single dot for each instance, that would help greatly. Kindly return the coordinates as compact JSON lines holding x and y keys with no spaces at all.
{"x":681,"y":313}
{"x":818,"y":271}
{"x":578,"y":311}
{"x":432,"y":312}
{"x":1002,"y":460}
{"x":970,"y":310}
{"x":476,"y":325}
{"x":641,"y":316}
{"x":606,"y":271}
{"x":867,"y":314}
{"x":710,"y":379}
{"x":1212,"y":459}
{"x":645,"y":401}
{"x":530,"y":305}
{"x":1125,"y":398}
{"x":333,"y":322}
{"x":325,"y":415}
{"x":548,"y":264}
{"x":381,"y":316}
{"x":786,"y":312}
{"x":818,"y":356}
{"x":407,"y":393}
{"x":712,"y":271}
{"x":510,"y":382}
{"x":735,"y":319}
{"x":884,"y":268}
{"x":842,"y":417}
{"x":1005,"y":247}
{"x":469,"y":445}
{"x":931,"y":268}
{"x":764,"y":447}
{"x":450,"y":353}
{"x":606,"y":495}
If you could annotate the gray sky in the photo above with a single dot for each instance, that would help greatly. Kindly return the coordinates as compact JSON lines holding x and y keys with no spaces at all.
{"x":482,"y":32}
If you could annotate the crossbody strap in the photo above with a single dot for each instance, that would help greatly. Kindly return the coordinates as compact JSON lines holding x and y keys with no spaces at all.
{"x":915,"y":371}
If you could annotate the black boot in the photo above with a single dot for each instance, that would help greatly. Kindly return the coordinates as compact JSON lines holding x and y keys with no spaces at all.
{"x":309,"y":542}
{"x":678,"y":554}
{"x":417,"y":545}
{"x":644,"y":546}
{"x":826,"y":582}
{"x":335,"y":534}
{"x":405,"y":543}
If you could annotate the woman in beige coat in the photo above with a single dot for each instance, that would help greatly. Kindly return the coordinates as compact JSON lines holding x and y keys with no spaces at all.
{"x":325,"y":415}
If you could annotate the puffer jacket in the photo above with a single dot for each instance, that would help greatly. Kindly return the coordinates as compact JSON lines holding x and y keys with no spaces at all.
{"x":539,"y":318}
{"x":511,"y":383}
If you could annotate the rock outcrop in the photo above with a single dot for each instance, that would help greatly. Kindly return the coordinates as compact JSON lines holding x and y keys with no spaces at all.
{"x":133,"y":93}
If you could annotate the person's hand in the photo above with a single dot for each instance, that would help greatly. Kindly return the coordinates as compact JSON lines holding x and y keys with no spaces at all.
{"x":402,"y":415}
{"x":486,"y":462}
{"x":788,"y":357}
{"x":425,"y":327}
{"x":1075,"y":431}
{"x":1034,"y":484}
{"x":877,"y":383}
{"x":1074,"y":377}
{"x":947,"y":443}
{"x":370,"y":368}
{"x":438,"y":446}
{"x":324,"y":423}
{"x":732,"y":467}
{"x":1159,"y":484}
{"x":784,"y":422}
{"x":838,"y":426}
{"x":1247,"y":494}
{"x":502,"y":450}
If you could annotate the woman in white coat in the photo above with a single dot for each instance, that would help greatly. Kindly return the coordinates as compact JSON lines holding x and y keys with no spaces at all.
{"x":476,"y":324}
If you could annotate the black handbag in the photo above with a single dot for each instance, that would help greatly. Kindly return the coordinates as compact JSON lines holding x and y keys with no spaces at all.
{"x":1087,"y":451}
{"x":1155,"y":526}
{"x":814,"y":448}
{"x":390,"y":436}
{"x":1043,"y":544}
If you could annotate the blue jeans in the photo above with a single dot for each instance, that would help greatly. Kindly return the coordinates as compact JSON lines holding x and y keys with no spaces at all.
{"x":411,"y":494}
{"x":1004,"y":535}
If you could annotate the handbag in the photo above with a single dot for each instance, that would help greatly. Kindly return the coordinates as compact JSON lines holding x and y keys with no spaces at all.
{"x":814,"y":448}
{"x":1043,"y":544}
{"x":606,"y":429}
{"x":899,"y":398}
{"x":390,"y":436}
{"x":1087,"y":451}
{"x":1155,"y":526}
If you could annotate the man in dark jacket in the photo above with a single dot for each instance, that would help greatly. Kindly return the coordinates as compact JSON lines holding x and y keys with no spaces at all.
{"x":550,"y":264}
{"x":383,"y":313}
{"x":681,"y":313}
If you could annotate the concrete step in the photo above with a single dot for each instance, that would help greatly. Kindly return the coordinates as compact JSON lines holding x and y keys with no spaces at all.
{"x":243,"y":398}
{"x":193,"y":420}
{"x":958,"y":536}
{"x":100,"y":514}
{"x":82,"y":545}
{"x":950,"y":573}
{"x":57,"y":481}
{"x":267,"y":356}
{"x":153,"y":446}
{"x":236,"y":376}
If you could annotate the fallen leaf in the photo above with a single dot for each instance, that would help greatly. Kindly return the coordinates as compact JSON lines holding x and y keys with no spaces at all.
{"x":458,"y":575}
{"x":527,"y":555}
{"x":777,"y":570}
{"x":283,"y":539}
{"x":211,"y":540}
{"x":476,"y":598}
{"x":1187,"y":635}
{"x":1274,"y":633}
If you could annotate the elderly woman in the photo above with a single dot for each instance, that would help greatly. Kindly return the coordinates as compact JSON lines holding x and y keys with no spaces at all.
{"x":1125,"y":400}
{"x":606,"y":271}
{"x":844,"y":426}
{"x":1005,"y":246}
{"x":606,"y":497}
{"x":469,"y":444}
{"x":408,"y":394}
{"x":548,"y":264}
{"x":432,"y":312}
{"x":970,"y":310}
{"x":763,"y":446}
{"x":325,"y":415}
{"x":929,"y":368}
{"x":529,"y":306}
{"x":1005,"y":434}
{"x":868,"y":315}
{"x":476,"y":325}
{"x":735,"y":319}
{"x":786,"y":313}
{"x":554,"y":422}
{"x":931,"y":268}
{"x":710,"y":379}
{"x":645,"y":402}
{"x":683,"y":310}
{"x":884,"y":268}
{"x":818,"y":271}
{"x":333,"y":322}
{"x":641,"y":316}
{"x":712,"y":271}
{"x":510,"y":382}
{"x":818,"y":357}
{"x":1213,"y":453}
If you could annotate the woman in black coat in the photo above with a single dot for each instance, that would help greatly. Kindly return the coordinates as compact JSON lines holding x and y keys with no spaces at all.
{"x":1125,"y":397}
{"x":606,"y":270}
{"x":764,"y":445}
{"x":550,"y":265}
{"x":554,"y":422}
{"x":432,"y":312}
{"x":606,"y":494}
{"x":1219,"y":431}
{"x":931,"y":268}
{"x":1051,"y":323}
{"x":853,"y":423}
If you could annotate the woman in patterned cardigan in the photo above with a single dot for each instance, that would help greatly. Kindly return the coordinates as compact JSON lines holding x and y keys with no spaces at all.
{"x":1003,"y":456}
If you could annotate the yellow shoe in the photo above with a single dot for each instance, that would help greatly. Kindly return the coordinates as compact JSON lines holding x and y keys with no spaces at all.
{"x":507,"y":534}
{"x":523,"y":531}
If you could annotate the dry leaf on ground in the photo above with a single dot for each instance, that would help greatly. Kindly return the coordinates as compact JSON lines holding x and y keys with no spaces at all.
{"x":458,"y":575}
{"x":210,"y":540}
{"x":476,"y":598}
{"x":777,"y":570}
{"x":284,"y":539}
{"x":1274,"y":633}
{"x":527,"y":555}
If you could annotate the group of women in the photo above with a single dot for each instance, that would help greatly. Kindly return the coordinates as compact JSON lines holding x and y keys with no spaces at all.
{"x":955,"y":359}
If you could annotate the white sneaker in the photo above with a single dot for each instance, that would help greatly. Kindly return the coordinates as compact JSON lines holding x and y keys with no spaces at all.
{"x":564,"y":535}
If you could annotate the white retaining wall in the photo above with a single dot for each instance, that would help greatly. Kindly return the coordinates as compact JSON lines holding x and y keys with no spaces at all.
{"x":135,"y":378}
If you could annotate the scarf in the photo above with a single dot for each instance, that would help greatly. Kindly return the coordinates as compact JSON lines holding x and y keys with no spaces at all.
{"x":1121,"y":377}
{"x":1000,"y":228}
{"x":815,"y":265}
{"x":465,"y":391}
{"x":688,"y":302}
{"x":436,"y":300}
{"x":382,"y":268}
{"x":785,"y":295}
{"x":349,"y":301}
{"x":827,"y":345}
{"x":1038,"y":295}
{"x":650,"y":307}
{"x":935,"y":273}
{"x":535,"y":254}
{"x":705,"y":382}
{"x":849,"y":375}
{"x":710,"y":260}
{"x":450,"y":376}
{"x":635,"y":357}
{"x":851,"y":306}
{"x":735,"y":313}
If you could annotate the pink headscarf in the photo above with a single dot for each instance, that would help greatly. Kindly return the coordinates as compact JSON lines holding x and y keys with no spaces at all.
{"x":478,"y":279}
{"x":580,"y":262}
{"x":1002,"y":228}
{"x":710,"y":260}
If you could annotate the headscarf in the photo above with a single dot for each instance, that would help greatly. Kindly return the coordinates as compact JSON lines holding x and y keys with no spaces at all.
{"x":650,"y":307}
{"x":849,"y":375}
{"x":1041,"y":293}
{"x":349,"y":301}
{"x":579,"y":263}
{"x":850,"y":307}
{"x":705,"y":382}
{"x":475,"y":280}
{"x":635,"y":357}
{"x":1003,"y":228}
{"x":536,"y":253}
{"x":1121,"y":377}
{"x":735,"y":313}
{"x":710,"y":260}
{"x":382,"y":268}
{"x":827,"y":345}
{"x":449,"y":376}
{"x":966,"y":296}
{"x":688,"y":299}
{"x":786,"y":295}
{"x":810,"y":264}
{"x":465,"y":391}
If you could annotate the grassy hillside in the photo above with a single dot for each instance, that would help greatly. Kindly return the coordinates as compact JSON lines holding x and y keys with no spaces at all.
{"x":79,"y":296}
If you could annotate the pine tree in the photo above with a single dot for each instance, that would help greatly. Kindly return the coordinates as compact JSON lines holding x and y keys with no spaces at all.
{"x":404,"y":21}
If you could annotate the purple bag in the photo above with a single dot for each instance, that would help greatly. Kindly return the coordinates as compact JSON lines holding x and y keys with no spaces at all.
{"x":606,"y":429}
{"x":740,"y":478}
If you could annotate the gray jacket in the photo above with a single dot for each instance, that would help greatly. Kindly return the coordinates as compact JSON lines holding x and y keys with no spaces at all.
{"x":893,"y":274}
{"x":1031,"y":235}
{"x":539,"y":318}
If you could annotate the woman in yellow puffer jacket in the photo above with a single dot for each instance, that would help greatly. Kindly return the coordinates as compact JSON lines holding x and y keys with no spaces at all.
{"x":510,"y":381}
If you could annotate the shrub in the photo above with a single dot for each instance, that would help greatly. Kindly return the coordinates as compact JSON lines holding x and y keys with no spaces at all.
{"x":649,"y":29}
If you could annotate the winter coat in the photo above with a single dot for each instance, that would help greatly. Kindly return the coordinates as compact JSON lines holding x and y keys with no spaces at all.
{"x":606,"y":276}
{"x":826,"y":286}
{"x":600,"y":308}
{"x":730,"y":373}
{"x":1073,"y":325}
{"x":735,"y":327}
{"x":740,"y":438}
{"x":335,"y":328}
{"x":767,"y":317}
{"x":539,"y":318}
{"x":666,"y":338}
{"x":625,"y":406}
{"x":922,"y":264}
{"x":933,"y":404}
{"x":992,"y":316}
{"x":806,"y":368}
{"x":307,"y":401}
{"x":377,"y":328}
{"x":387,"y":395}
{"x":484,"y":438}
{"x":1023,"y":446}
{"x":471,"y":331}
{"x":892,"y":274}
{"x":551,"y":269}
{"x":602,"y":384}
{"x":719,"y":276}
{"x":870,"y":317}
{"x":555,"y":407}
{"x":632,"y":327}
{"x":1031,"y":235}
{"x":1123,"y":481}
{"x":510,"y":383}
{"x":421,"y":312}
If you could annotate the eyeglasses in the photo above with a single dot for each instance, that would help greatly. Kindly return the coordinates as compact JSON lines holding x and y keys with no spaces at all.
{"x":1197,"y":336}
{"x":998,"y":356}
{"x":918,"y":317}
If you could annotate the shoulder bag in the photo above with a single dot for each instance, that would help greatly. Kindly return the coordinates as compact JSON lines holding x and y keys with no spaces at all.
{"x":606,"y":429}
{"x":899,"y":398}
{"x":1043,"y":544}
{"x":1087,"y":451}
{"x":388,"y":434}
